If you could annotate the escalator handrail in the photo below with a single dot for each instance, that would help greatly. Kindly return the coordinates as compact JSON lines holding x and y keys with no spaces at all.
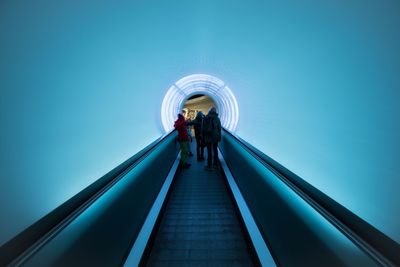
{"x":36,"y":234}
{"x":379,"y":246}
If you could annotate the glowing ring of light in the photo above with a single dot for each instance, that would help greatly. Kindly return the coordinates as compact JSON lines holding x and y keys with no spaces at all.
{"x":213,"y":87}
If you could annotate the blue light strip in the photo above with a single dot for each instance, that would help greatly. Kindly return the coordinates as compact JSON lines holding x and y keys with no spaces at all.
{"x":259,"y":244}
{"x":136,"y":253}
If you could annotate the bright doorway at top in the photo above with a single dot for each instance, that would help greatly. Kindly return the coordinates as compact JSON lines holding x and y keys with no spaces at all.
{"x":188,"y":88}
{"x":197,"y":103}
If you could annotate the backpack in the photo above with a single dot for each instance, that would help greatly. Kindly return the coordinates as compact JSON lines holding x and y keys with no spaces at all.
{"x":208,"y":125}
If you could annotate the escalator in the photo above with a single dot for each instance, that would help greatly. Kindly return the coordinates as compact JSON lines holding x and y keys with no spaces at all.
{"x":250,"y":211}
{"x":200,"y":224}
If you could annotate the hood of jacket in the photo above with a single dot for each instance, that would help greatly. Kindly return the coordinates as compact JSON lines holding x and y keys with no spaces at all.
{"x":212,"y":114}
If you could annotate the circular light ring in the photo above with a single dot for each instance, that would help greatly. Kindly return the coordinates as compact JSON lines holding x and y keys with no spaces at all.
{"x":190,"y":85}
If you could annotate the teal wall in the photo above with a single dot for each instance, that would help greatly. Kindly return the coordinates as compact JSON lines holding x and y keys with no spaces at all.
{"x":82,"y":82}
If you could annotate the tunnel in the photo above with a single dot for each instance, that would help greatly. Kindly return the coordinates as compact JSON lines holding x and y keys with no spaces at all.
{"x":306,"y":173}
{"x":188,"y":86}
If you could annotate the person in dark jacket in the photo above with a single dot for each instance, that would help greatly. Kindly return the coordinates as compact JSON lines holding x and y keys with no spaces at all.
{"x":189,"y":131}
{"x":198,"y":133}
{"x":183,"y":139}
{"x":212,"y":135}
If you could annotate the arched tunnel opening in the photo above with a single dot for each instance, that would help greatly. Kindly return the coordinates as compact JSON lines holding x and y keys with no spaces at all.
{"x":192,"y":87}
{"x":197,"y":103}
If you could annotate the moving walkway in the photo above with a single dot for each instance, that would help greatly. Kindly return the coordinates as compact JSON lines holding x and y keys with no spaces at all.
{"x":250,"y":211}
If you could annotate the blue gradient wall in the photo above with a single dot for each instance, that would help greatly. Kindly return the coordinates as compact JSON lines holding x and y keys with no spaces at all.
{"x":81,"y":86}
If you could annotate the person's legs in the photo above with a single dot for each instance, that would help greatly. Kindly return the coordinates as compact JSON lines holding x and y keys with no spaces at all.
{"x":215,"y":151}
{"x":201,"y":148}
{"x":209,"y":154}
{"x":187,"y":165}
{"x":190,"y":154}
{"x":198,"y":147}
{"x":184,"y":152}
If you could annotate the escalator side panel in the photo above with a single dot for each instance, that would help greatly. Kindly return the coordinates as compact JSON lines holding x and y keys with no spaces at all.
{"x":295,"y":232}
{"x":102,"y":234}
{"x":21,"y":243}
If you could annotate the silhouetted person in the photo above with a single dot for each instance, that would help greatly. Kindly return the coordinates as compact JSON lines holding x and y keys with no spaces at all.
{"x":198,"y":133}
{"x":189,"y":132}
{"x":183,"y":139}
{"x":212,"y":135}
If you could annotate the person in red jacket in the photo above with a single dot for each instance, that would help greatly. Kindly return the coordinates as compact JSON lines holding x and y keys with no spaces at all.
{"x":183,"y":139}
